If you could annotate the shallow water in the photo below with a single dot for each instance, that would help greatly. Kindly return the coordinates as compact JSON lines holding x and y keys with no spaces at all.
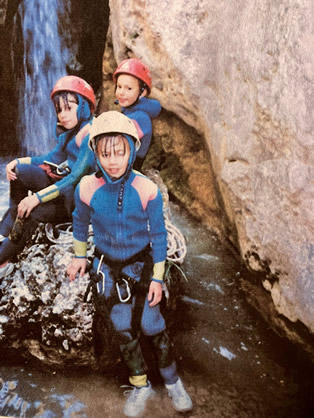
{"x":232,"y":364}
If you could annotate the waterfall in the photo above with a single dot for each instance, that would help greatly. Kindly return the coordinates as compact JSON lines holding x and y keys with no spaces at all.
{"x":44,"y":62}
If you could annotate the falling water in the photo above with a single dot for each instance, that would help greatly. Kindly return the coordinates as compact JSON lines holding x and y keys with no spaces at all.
{"x":44,"y":62}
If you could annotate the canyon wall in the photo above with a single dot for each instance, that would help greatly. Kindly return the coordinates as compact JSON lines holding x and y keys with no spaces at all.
{"x":239,"y":74}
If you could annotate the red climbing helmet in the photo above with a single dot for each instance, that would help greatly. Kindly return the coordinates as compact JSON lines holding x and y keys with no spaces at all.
{"x":76,"y":85}
{"x":135,"y":67}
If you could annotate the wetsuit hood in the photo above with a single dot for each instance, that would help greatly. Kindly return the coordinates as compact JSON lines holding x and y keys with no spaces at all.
{"x":128,"y":170}
{"x":150,"y":106}
{"x":83,"y":112}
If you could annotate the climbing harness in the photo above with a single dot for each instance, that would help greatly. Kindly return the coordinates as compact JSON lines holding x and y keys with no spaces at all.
{"x":118,"y":280}
{"x":135,"y":293}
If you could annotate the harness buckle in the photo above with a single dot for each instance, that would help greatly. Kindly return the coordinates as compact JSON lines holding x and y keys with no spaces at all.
{"x":128,"y":290}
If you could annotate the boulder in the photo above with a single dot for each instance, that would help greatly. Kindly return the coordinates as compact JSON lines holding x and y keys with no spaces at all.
{"x":42,"y":313}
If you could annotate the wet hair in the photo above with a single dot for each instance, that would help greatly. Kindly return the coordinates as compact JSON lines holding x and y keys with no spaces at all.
{"x":111,"y":140}
{"x":65,"y":96}
{"x":56,"y":101}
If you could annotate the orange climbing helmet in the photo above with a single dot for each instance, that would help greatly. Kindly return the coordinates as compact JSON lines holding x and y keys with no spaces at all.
{"x":135,"y":67}
{"x":76,"y":85}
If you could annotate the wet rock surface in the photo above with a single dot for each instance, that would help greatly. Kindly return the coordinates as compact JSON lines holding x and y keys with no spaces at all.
{"x":41,"y":311}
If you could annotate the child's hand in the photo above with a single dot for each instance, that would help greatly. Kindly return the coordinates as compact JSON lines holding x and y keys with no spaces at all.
{"x":155,"y":293}
{"x":26,"y":205}
{"x":76,"y":265}
{"x":10,"y":170}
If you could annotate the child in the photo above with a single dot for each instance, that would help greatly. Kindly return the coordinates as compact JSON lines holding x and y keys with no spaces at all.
{"x":133,"y":85}
{"x":53,"y":198}
{"x":129,"y":256}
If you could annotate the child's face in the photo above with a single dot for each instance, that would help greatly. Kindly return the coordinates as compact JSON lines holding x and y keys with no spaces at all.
{"x":113,"y":154}
{"x":128,"y":90}
{"x":67,"y":114}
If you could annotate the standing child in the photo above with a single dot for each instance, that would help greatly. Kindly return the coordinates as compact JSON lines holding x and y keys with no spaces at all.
{"x":133,"y":85}
{"x":125,"y":209}
{"x":53,"y":194}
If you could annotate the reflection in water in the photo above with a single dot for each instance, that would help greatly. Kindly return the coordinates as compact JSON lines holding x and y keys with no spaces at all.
{"x":43,"y":63}
{"x":36,"y":401}
{"x":26,"y":392}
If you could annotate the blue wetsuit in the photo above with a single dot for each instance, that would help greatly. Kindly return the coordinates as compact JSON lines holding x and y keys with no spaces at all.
{"x":56,"y":195}
{"x":142,"y":113}
{"x":127,"y":219}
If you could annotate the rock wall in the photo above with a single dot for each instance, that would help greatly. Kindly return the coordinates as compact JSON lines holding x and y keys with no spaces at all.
{"x":175,"y":145}
{"x":3,"y":10}
{"x":239,"y":73}
{"x":8,"y":112}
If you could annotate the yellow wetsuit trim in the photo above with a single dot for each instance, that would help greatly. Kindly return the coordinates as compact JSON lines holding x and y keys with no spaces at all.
{"x":80,"y":248}
{"x":159,"y":270}
{"x":138,"y":381}
{"x":49,"y":193}
{"x":24,"y":160}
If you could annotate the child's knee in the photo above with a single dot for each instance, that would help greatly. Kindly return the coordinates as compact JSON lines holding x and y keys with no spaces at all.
{"x":121,"y":317}
{"x":152,"y":321}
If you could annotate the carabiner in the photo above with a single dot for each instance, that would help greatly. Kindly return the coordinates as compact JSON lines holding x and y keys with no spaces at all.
{"x":103,"y":276}
{"x":127,"y":289}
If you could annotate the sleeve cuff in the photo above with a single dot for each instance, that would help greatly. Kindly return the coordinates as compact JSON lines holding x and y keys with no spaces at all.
{"x":24,"y":160}
{"x":158,"y":271}
{"x":157,"y":280}
{"x":49,"y":193}
{"x":80,"y":248}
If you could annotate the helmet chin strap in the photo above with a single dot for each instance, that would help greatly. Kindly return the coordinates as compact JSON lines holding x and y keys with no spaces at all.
{"x":140,"y":95}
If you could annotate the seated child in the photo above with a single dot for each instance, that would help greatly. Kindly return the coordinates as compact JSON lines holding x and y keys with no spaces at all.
{"x":129,"y":256}
{"x":53,"y":197}
{"x":133,"y":85}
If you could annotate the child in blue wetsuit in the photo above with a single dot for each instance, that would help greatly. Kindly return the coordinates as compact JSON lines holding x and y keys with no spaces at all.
{"x":133,"y":85}
{"x":125,"y":209}
{"x":53,"y":195}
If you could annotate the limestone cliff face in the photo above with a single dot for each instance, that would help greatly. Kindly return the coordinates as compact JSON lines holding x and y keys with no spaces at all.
{"x":8,"y":88}
{"x":3,"y":10}
{"x":240,"y":73}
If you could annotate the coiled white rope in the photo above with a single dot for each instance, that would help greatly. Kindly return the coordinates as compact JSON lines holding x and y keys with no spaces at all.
{"x":176,"y":248}
{"x":61,"y":234}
